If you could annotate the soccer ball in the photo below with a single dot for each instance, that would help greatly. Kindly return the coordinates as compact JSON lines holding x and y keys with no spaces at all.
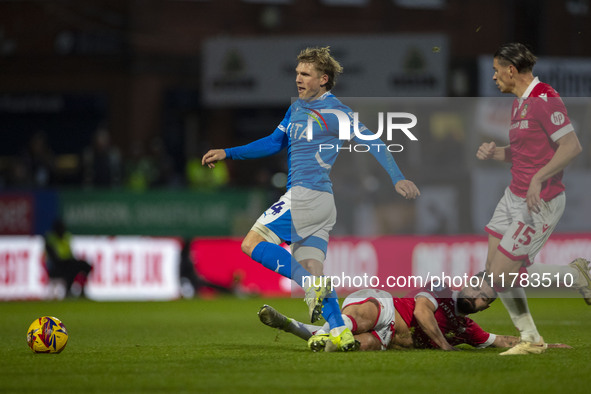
{"x":47,"y":335}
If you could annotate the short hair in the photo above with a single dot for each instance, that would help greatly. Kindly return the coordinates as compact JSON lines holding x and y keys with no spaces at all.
{"x":518,"y":55}
{"x":324,"y":63}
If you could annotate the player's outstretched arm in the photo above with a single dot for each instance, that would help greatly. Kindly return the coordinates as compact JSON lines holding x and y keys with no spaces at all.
{"x":212,"y":156}
{"x":510,"y":341}
{"x":424,"y":313}
{"x":505,"y":341}
{"x":407,"y":189}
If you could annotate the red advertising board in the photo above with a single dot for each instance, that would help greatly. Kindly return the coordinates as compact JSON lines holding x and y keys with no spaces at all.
{"x":130,"y":267}
{"x":22,"y":275}
{"x":392,"y":263}
{"x":124,"y":268}
{"x":144,"y":268}
{"x":16,"y":214}
{"x":221,"y":261}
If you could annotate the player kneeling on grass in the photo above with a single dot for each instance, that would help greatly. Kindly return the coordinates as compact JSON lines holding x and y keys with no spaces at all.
{"x":425,"y":318}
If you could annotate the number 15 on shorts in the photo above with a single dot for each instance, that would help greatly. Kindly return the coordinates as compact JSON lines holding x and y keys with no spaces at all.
{"x":523,"y":234}
{"x":521,"y":239}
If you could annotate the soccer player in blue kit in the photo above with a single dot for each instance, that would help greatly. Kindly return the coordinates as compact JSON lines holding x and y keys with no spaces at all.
{"x":306,"y":213}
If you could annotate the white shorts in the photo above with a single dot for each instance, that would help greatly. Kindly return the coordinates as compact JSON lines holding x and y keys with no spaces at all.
{"x":384,"y":327}
{"x":303,"y":218}
{"x":523,"y":234}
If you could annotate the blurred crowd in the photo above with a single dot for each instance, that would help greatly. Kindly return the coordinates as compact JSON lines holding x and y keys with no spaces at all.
{"x":151,"y":164}
{"x":101,"y":164}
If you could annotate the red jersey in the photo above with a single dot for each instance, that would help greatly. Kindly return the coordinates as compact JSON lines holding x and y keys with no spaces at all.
{"x":456,"y":328}
{"x":538,"y":119}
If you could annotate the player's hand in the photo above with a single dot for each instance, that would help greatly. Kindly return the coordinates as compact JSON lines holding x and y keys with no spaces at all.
{"x":486,"y":151}
{"x":532,"y":198}
{"x":211,"y":157}
{"x":407,"y":189}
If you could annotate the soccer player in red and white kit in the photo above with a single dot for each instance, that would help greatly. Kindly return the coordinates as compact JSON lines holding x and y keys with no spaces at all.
{"x":542,"y":142}
{"x":438,"y":318}
{"x":426,"y":318}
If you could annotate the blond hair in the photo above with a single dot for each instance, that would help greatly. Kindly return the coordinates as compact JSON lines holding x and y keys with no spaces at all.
{"x":324,"y":63}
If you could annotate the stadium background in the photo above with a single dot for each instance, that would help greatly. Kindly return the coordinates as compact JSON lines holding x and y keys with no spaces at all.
{"x":166,"y":80}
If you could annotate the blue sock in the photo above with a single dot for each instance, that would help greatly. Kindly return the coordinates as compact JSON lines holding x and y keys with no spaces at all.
{"x":277,"y":259}
{"x":331,"y":311}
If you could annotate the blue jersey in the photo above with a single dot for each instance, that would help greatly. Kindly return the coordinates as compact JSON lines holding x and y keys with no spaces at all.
{"x":309,"y":165}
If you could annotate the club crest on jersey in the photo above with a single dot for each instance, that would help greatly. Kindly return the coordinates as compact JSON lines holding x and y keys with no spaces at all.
{"x":524,"y":111}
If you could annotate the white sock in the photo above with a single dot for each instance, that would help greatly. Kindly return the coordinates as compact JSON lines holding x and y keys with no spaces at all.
{"x":515,"y":302}
{"x":337,"y":330}
{"x":348,"y":322}
{"x":559,"y":275}
{"x":302,"y":330}
{"x":322,"y":330}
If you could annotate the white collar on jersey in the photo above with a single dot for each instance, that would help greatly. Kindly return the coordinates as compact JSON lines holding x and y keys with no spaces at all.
{"x":324,"y":95}
{"x":321,"y":97}
{"x":531,"y":87}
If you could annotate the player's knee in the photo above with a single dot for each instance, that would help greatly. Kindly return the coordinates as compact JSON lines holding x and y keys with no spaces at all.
{"x":247,"y":246}
{"x":313,"y":266}
{"x":250,"y":242}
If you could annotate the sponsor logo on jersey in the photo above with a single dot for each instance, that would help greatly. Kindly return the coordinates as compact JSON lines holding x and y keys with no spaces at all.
{"x":317,"y":117}
{"x":557,"y":118}
{"x":278,"y":266}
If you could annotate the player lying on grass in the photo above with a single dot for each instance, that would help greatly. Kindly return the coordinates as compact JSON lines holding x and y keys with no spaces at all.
{"x":425,"y":318}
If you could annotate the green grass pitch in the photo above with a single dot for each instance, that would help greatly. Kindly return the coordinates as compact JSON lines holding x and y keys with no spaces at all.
{"x":219,"y":345}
